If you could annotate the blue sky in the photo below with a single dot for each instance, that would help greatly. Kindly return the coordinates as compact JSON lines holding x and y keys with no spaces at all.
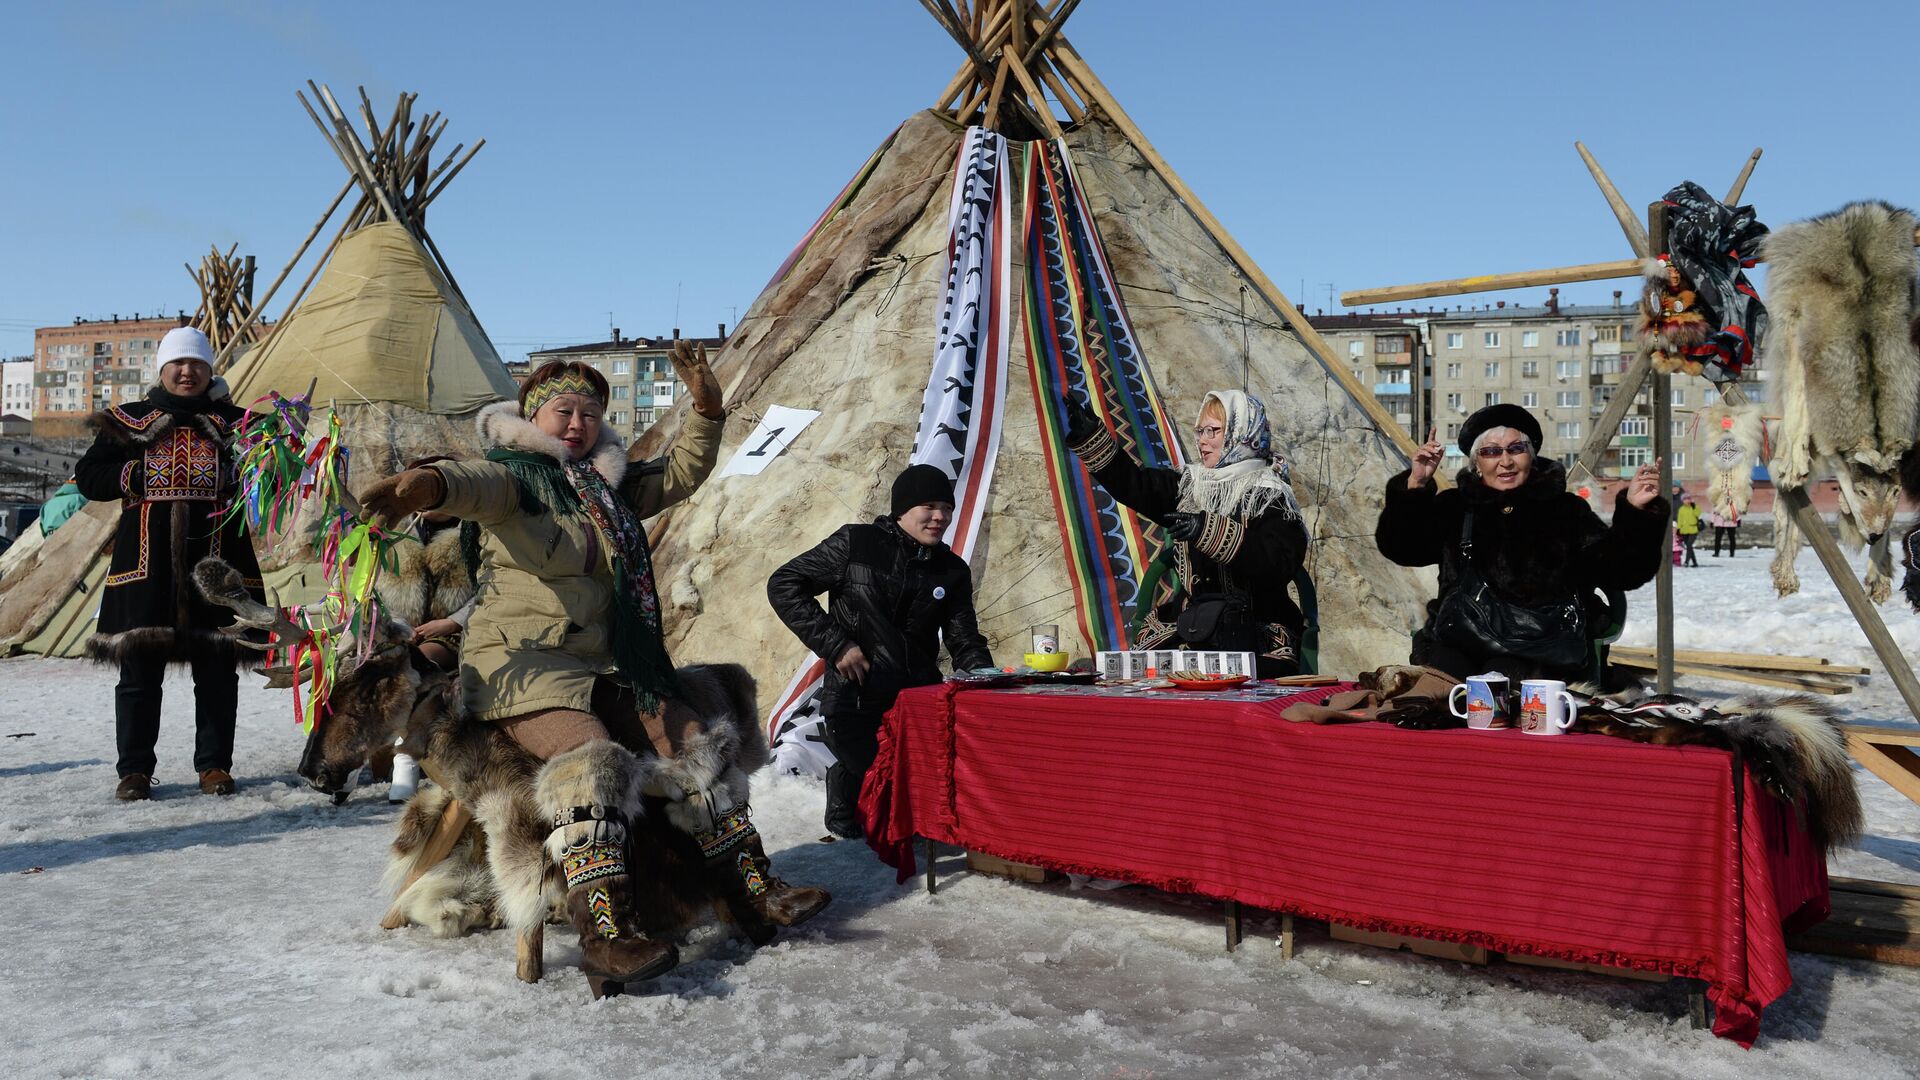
{"x":656,"y":161}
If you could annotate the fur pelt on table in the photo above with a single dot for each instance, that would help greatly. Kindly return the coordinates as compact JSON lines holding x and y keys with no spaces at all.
{"x":1843,"y":292}
{"x":1794,"y":744}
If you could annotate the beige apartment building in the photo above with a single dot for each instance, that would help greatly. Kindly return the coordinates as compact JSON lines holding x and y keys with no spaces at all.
{"x":1563,"y":363}
{"x":639,"y":374}
{"x":91,"y":364}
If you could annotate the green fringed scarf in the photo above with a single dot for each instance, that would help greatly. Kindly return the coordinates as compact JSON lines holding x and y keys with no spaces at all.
{"x":546,"y":486}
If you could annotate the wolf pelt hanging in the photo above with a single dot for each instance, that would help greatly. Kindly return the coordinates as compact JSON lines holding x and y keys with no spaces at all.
{"x":1848,"y":372}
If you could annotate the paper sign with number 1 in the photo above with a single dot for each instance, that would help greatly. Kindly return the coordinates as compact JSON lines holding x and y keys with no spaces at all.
{"x":776,"y":432}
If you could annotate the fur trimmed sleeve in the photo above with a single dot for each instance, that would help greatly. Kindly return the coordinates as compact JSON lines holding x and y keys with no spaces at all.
{"x":1272,"y":544}
{"x":1626,"y":554}
{"x":1408,"y":532}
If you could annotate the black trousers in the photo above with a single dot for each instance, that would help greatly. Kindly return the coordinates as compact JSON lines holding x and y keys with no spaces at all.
{"x":1686,"y":541}
{"x":854,"y":738}
{"x":136,"y":712}
{"x":1732,"y":536}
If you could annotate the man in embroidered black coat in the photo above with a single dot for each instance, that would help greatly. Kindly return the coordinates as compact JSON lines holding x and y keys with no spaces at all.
{"x":894,"y":592}
{"x":166,"y":459}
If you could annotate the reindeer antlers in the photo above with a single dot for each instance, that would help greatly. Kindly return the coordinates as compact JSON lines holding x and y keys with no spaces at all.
{"x":221,"y":584}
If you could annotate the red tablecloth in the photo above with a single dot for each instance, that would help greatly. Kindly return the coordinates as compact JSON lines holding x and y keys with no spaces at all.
{"x":1580,"y":847}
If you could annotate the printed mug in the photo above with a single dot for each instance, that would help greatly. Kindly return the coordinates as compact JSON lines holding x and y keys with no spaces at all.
{"x":1486,"y":708}
{"x":1545,"y":707}
{"x":1046,"y":639}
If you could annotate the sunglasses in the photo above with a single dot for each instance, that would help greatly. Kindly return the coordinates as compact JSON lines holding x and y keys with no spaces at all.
{"x":1493,"y":453}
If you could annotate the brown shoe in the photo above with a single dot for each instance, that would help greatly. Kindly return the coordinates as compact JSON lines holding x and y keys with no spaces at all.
{"x":133,"y":788}
{"x":216,"y":782}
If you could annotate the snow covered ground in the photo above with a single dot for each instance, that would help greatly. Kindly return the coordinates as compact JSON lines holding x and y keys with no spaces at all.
{"x":203,"y":937}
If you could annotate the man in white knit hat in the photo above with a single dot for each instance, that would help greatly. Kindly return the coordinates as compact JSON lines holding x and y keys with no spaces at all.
{"x":165,"y":459}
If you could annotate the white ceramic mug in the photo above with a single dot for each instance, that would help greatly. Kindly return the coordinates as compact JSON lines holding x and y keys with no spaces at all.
{"x":1545,"y":707}
{"x":1486,"y":707}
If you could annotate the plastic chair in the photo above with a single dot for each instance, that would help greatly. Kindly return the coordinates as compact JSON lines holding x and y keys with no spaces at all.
{"x":1608,"y":621}
{"x":1309,"y":600}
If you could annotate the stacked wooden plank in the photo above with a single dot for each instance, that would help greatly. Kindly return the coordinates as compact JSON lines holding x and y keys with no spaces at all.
{"x":1806,"y":673}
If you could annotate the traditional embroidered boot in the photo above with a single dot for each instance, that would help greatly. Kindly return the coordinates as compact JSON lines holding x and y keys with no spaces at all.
{"x":737,"y":863}
{"x":588,"y":795}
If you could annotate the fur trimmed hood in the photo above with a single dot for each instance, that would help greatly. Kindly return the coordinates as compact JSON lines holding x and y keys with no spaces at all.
{"x":144,"y":423}
{"x":501,"y":425}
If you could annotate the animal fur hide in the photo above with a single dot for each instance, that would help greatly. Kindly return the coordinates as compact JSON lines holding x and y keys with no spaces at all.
{"x":1734,"y":436}
{"x":1794,"y":744}
{"x":1844,"y":300}
{"x":1910,"y":545}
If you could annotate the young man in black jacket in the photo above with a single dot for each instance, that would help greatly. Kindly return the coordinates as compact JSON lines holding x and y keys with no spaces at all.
{"x":894,"y":591}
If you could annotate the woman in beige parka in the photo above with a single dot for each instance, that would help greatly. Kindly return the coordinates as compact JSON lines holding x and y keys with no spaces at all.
{"x":564,"y":648}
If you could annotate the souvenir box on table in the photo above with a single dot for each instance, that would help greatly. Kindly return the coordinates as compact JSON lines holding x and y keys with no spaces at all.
{"x":1121,"y":666}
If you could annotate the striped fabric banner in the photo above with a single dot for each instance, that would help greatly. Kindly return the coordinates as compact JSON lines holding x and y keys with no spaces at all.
{"x":965,"y":400}
{"x":1082,"y":344}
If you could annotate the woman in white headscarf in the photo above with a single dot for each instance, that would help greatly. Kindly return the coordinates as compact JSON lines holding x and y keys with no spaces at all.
{"x":1236,"y":539}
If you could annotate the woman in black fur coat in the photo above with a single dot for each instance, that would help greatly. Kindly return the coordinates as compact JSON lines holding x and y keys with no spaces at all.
{"x":1535,"y":542}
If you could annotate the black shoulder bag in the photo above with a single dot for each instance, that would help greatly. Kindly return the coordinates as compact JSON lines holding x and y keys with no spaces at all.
{"x":1475,"y":617}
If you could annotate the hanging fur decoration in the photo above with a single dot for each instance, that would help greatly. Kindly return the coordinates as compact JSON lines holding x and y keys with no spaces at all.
{"x":1735,"y":437}
{"x":1848,"y":371}
{"x":1698,"y":314}
{"x":1795,"y":745}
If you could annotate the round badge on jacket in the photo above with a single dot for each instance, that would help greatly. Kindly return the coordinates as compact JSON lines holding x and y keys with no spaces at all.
{"x":939,"y":592}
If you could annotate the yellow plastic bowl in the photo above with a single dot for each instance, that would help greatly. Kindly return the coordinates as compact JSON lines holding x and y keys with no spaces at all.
{"x":1048,"y":661}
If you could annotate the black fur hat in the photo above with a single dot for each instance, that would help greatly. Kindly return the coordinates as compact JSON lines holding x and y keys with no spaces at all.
{"x":1493,"y":416}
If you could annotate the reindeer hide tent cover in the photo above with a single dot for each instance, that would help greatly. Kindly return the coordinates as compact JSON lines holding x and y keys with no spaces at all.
{"x":849,"y":329}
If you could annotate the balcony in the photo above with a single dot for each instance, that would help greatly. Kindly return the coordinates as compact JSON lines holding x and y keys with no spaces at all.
{"x":1636,"y":440}
{"x":1391,"y":389}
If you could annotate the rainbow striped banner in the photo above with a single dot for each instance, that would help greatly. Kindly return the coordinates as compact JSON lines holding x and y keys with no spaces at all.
{"x":1082,"y":344}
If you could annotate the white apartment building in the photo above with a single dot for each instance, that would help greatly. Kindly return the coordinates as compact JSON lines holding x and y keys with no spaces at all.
{"x":16,"y":388}
{"x":640,"y":375}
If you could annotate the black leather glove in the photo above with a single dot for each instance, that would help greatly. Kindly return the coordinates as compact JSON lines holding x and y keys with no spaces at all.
{"x":1185,"y":527}
{"x":1081,"y":423}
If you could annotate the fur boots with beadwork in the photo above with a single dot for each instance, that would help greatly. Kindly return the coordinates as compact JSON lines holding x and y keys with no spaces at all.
{"x":719,"y":819}
{"x":589,"y":794}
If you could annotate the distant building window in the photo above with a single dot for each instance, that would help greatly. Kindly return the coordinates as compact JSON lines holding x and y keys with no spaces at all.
{"x":1677,"y":428}
{"x":1491,"y":339}
{"x":1609,"y":365}
{"x":1679,"y":459}
{"x":1632,"y":457}
{"x":1530,"y":400}
{"x":1567,"y":399}
{"x":1529,"y":369}
{"x":620,"y":367}
{"x":643,"y":417}
{"x":617,"y":417}
{"x":1356,"y":347}
{"x":1567,"y":429}
{"x":663,"y":393}
{"x":1493,"y":398}
{"x":1566,"y":337}
{"x":1492,"y":368}
{"x":1456,"y":341}
{"x":1606,"y":333}
{"x":1566,"y":369}
{"x":1602,"y":394}
{"x":1453,"y":370}
{"x":1756,"y":391}
{"x":1633,"y":425}
{"x":620,"y":393}
{"x":1390,"y":343}
{"x":1530,"y":339}
{"x":1453,"y":432}
{"x":1456,"y":401}
{"x":1396,"y":376}
{"x":1678,"y":396}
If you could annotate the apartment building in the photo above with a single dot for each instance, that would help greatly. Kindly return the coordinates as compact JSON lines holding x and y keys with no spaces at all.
{"x":639,"y":374}
{"x":16,"y":388}
{"x":91,"y":364}
{"x":1561,"y":362}
{"x":1390,"y":355}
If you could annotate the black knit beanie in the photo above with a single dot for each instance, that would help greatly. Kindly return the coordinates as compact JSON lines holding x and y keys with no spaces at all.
{"x":919,"y":484}
{"x":1502,"y":415}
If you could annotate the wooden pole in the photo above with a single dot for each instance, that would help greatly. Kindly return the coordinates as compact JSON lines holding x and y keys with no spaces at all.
{"x":1740,"y":182}
{"x":1636,"y":233}
{"x":1656,"y":234}
{"x":220,"y":361}
{"x":1520,"y":279}
{"x":1096,"y":93}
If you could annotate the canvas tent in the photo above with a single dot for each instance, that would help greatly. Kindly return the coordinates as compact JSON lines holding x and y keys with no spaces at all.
{"x":848,"y":328}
